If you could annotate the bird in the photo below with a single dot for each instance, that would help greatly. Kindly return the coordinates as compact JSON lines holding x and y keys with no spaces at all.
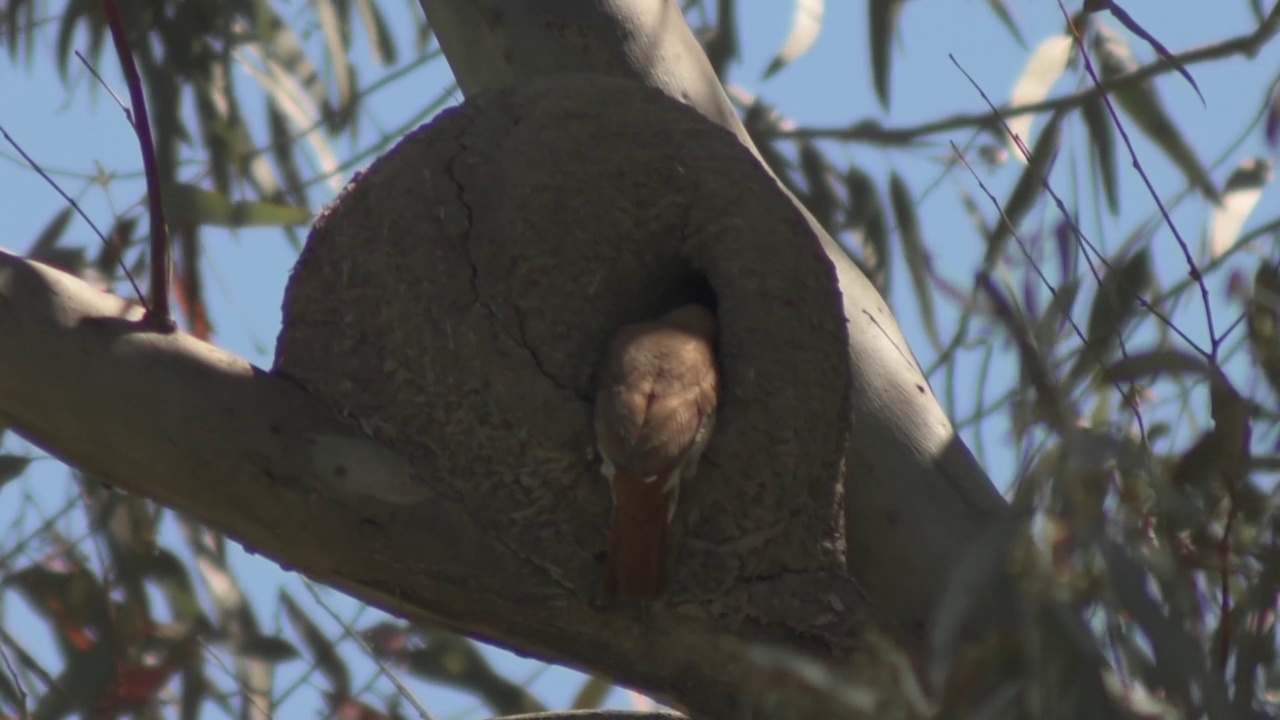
{"x":655,"y":411}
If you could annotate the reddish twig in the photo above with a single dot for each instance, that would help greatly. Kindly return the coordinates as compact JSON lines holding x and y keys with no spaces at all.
{"x":158,"y":315}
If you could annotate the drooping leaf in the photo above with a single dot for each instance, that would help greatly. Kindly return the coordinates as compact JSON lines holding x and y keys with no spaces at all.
{"x":1264,"y":322}
{"x":167,"y":570}
{"x":19,"y":16}
{"x":1049,"y":327}
{"x":1113,"y":307}
{"x":268,"y":648}
{"x":70,"y":598}
{"x":217,"y":131}
{"x":759,"y":122}
{"x":1158,"y":363}
{"x":11,"y":466}
{"x":723,"y":47}
{"x":1239,"y":197}
{"x":1141,"y":103}
{"x":981,"y":574}
{"x":866,"y":219}
{"x":1102,"y":142}
{"x":820,"y":197}
{"x":282,"y":153}
{"x":51,"y":233}
{"x":1233,"y":424}
{"x":1042,"y":71}
{"x":72,"y":12}
{"x":806,"y":23}
{"x":882,"y":24}
{"x":914,"y":254}
{"x":1026,"y":193}
{"x":283,"y":47}
{"x":81,"y":684}
{"x":320,"y":648}
{"x":455,"y":661}
{"x":594,"y":691}
{"x":335,"y":41}
{"x":381,"y":41}
{"x":1006,"y":19}
{"x":1134,"y":27}
{"x":1271,"y":129}
{"x":1180,"y":660}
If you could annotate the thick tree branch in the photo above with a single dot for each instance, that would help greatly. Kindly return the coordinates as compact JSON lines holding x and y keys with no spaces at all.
{"x":916,"y":497}
{"x":176,"y":419}
{"x":453,"y":304}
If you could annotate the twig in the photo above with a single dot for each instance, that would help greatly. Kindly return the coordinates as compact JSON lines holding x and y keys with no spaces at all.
{"x":79,"y":211}
{"x":158,"y":315}
{"x":1192,"y":269}
{"x":871,"y":131}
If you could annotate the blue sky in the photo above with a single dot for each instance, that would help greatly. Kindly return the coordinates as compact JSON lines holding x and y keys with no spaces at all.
{"x":75,"y":129}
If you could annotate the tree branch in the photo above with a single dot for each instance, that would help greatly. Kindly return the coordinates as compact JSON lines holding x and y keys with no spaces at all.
{"x":871,"y":131}
{"x":453,"y":304}
{"x":175,"y":419}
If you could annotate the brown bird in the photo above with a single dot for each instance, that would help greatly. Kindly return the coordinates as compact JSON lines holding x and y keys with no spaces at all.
{"x":655,"y":411}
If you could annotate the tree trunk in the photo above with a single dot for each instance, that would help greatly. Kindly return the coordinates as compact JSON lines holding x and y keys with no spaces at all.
{"x":916,"y":498}
{"x":447,"y":316}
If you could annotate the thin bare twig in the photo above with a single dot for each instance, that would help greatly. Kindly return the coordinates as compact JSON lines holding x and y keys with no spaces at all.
{"x":1192,"y":269}
{"x":871,"y":131}
{"x":158,"y":315}
{"x":79,"y":211}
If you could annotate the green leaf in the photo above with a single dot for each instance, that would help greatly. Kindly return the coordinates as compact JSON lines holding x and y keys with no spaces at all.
{"x":806,"y":23}
{"x":821,"y":198}
{"x":266,"y":648}
{"x":592,"y":694}
{"x":1048,"y":327}
{"x":1127,"y":20}
{"x":1103,"y":142}
{"x":52,"y":232}
{"x":882,"y":23}
{"x":1026,"y":193}
{"x":1179,"y":658}
{"x":282,"y":152}
{"x":323,"y":651}
{"x":186,"y":203}
{"x":1142,"y":104}
{"x":455,"y":661}
{"x":1158,"y":363}
{"x":1264,"y":323}
{"x":866,"y":219}
{"x":914,"y":254}
{"x":11,"y":466}
{"x":72,"y":11}
{"x":1042,"y":71}
{"x":167,"y":570}
{"x":1002,"y":13}
{"x":335,"y":41}
{"x":1239,"y":197}
{"x":382,"y":42}
{"x":1113,"y":307}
